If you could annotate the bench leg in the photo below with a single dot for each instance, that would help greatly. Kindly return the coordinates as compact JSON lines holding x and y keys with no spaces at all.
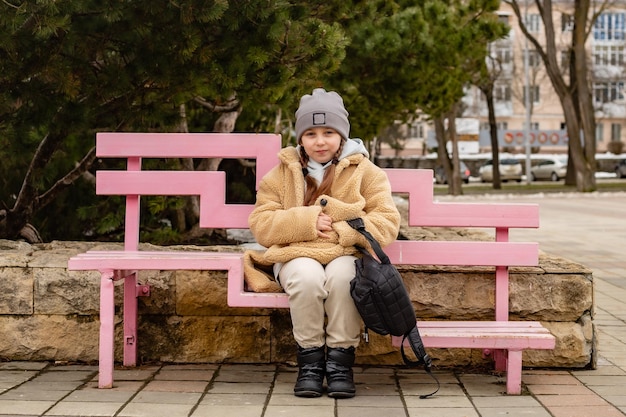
{"x":130,"y":320}
{"x":500,"y":359}
{"x":107,"y":330}
{"x":514,"y":373}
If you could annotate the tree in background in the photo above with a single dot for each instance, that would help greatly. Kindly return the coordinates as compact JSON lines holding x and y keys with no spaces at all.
{"x":409,"y":56}
{"x":69,"y":69}
{"x":572,"y":88}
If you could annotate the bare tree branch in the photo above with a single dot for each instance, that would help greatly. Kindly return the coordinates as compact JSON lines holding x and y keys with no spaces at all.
{"x":69,"y":178}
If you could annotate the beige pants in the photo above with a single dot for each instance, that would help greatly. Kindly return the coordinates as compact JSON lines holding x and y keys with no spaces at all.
{"x":316,"y":291}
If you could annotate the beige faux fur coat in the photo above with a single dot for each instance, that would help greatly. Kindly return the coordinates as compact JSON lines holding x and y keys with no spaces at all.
{"x":281,"y":223}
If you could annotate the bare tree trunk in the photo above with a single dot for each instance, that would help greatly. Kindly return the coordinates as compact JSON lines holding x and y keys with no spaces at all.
{"x":493,"y":135}
{"x":190,"y":214}
{"x":585,"y":168}
{"x":454,"y":180}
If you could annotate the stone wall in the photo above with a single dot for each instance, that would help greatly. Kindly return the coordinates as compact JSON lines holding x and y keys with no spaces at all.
{"x":48,"y":313}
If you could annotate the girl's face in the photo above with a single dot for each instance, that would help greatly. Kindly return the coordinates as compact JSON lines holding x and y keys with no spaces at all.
{"x":321,"y":143}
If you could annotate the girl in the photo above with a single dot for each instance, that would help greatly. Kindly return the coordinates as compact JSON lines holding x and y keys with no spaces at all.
{"x":300,"y":217}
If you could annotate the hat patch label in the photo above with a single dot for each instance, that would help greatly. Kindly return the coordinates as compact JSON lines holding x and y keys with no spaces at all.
{"x":319,"y":119}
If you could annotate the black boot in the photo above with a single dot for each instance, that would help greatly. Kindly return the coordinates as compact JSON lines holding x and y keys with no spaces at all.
{"x":339,"y":373}
{"x":311,"y":362}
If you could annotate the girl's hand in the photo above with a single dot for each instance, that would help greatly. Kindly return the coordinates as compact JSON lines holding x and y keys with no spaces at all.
{"x":324,"y":224}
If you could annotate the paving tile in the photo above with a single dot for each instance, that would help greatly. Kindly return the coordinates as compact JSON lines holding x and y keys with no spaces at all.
{"x":606,"y":390}
{"x":552,"y":379}
{"x":442,"y":412}
{"x":591,"y":411}
{"x":279,"y":400}
{"x":186,"y":366}
{"x":15,"y":407}
{"x":617,"y":400}
{"x":16,"y":376}
{"x":37,"y":385}
{"x":184,"y":375}
{"x":233,"y":399}
{"x":449,"y":401}
{"x":95,"y":409}
{"x":387,"y":401}
{"x":234,"y":411}
{"x":375,"y":379}
{"x":64,"y":376}
{"x":518,"y":412}
{"x":300,"y":411}
{"x":21,"y":394}
{"x":422,"y":389}
{"x":176,"y":386}
{"x":100,"y":395}
{"x":134,"y":374}
{"x":243,"y":387}
{"x":235,"y":375}
{"x":22,"y":365}
{"x":505,"y":402}
{"x":559,"y":389}
{"x":374,"y":389}
{"x":368,"y":411}
{"x":570,"y":400}
{"x":153,"y":397}
{"x":155,"y":410}
{"x":603,"y":380}
{"x":117,"y":386}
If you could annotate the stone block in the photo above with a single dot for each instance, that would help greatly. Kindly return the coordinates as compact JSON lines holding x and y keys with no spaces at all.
{"x":49,"y":337}
{"x":205,"y":339}
{"x":58,"y":292}
{"x":16,"y":291}
{"x":14,"y":254}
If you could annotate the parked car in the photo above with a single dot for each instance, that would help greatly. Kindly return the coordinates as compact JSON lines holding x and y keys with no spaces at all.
{"x":620,"y":169}
{"x":553,"y":168}
{"x":510,"y":170}
{"x":440,"y":174}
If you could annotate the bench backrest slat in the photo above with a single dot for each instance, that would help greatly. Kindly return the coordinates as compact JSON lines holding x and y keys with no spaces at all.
{"x":423,"y":211}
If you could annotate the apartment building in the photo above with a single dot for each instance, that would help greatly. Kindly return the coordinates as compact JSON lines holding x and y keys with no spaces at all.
{"x":606,"y":45}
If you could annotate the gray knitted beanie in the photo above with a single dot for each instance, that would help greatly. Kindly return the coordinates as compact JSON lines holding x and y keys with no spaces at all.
{"x":322,"y":108}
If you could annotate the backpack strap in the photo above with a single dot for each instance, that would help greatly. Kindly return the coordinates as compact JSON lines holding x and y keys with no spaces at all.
{"x":415,"y":340}
{"x":358,"y":225}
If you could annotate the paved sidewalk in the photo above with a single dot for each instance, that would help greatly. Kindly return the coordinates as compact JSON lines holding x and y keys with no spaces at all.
{"x":589,"y":229}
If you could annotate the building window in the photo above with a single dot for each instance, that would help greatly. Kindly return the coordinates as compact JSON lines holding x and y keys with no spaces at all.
{"x":534,"y":59}
{"x":502,"y":93}
{"x":502,"y":125}
{"x":599,"y":132}
{"x":616,"y":132}
{"x":606,"y":92}
{"x":416,"y":130}
{"x":608,"y":55}
{"x":533,"y":23}
{"x":534,"y":94}
{"x":503,"y":53}
{"x":565,"y":59}
{"x":567,"y":22}
{"x":610,"y":27}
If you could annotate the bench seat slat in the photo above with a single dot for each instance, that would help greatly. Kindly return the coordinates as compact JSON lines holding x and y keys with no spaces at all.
{"x":484,"y":335}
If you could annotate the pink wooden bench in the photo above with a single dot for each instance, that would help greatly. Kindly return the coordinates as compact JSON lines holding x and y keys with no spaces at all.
{"x":503,"y":338}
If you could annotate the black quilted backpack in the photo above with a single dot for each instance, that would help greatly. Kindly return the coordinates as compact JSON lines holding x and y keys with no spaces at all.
{"x":383,"y":301}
